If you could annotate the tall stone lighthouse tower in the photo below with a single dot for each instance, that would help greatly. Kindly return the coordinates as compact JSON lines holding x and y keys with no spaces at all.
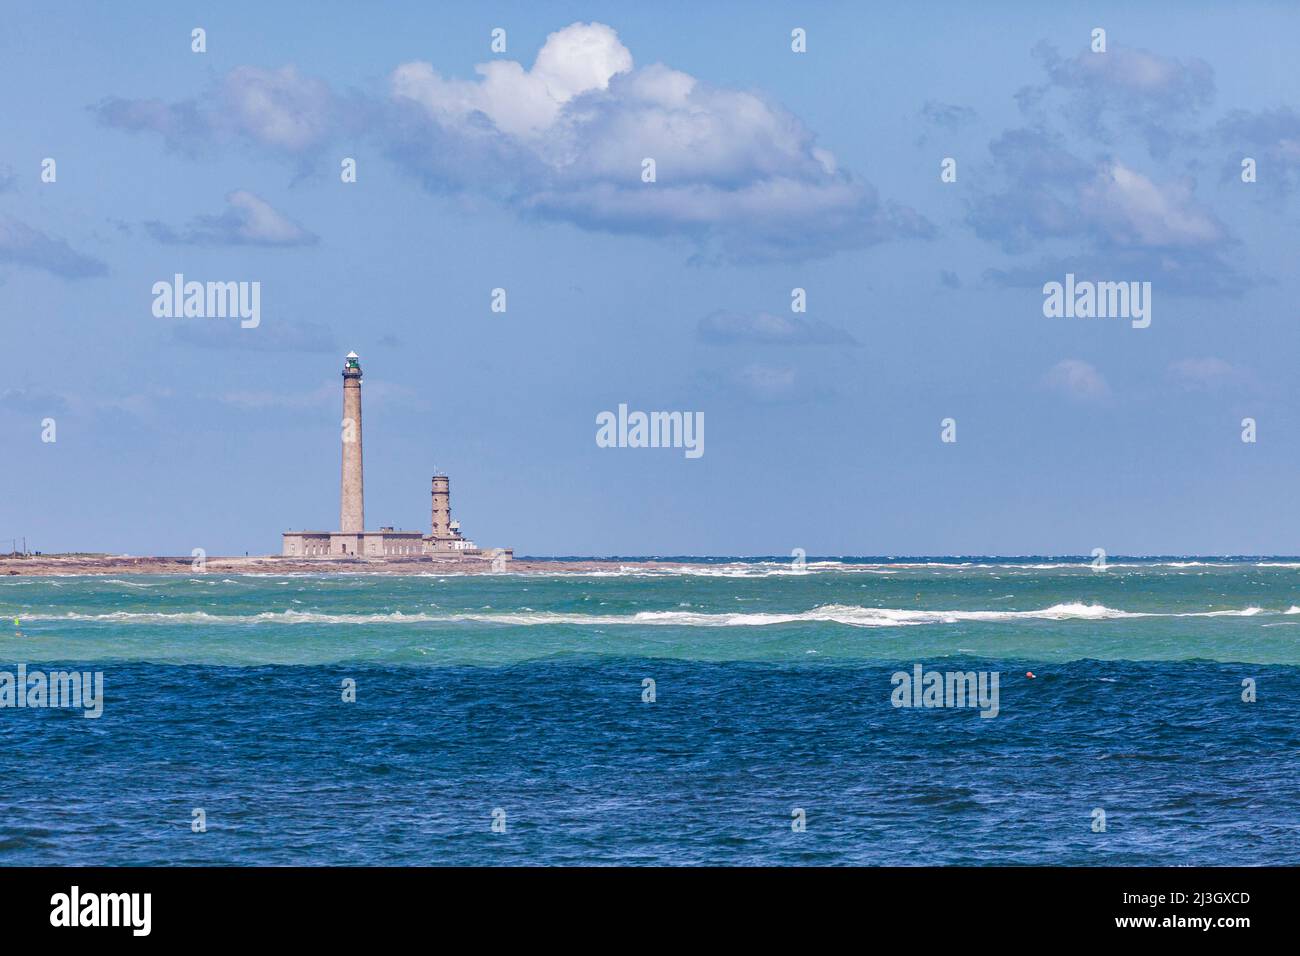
{"x":352,"y":513}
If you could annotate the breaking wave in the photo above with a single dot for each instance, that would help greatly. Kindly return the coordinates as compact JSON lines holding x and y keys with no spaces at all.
{"x":849,"y":615}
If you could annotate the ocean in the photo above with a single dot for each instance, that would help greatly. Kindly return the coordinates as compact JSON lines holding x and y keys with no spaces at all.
{"x":740,"y":712}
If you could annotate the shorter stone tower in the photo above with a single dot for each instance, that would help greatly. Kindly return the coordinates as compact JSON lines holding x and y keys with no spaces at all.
{"x":441,"y":507}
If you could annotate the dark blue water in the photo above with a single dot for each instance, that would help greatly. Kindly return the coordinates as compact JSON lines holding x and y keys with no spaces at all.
{"x":586,"y":772}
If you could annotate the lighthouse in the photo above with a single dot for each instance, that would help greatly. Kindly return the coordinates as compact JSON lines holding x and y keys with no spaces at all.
{"x":352,"y":509}
{"x":352,"y":540}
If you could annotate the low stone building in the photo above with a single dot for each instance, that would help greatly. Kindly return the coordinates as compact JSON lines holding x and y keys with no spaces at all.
{"x":368,"y":544}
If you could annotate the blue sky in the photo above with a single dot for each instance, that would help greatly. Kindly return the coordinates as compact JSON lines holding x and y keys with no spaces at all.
{"x":775,"y":170}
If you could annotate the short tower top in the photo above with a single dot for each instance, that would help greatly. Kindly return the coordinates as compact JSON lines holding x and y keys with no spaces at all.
{"x":352,"y":364}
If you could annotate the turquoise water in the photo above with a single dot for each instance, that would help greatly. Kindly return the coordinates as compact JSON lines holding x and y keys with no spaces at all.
{"x":524,"y":694}
{"x":1247,"y":612}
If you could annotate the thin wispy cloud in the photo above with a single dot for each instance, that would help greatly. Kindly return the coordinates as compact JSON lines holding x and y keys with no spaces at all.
{"x":1208,"y":373}
{"x":32,"y":401}
{"x":378,"y":394}
{"x":947,"y":116}
{"x":25,"y":245}
{"x":280,"y":110}
{"x":767,"y":382}
{"x":1269,"y":136}
{"x":248,"y":220}
{"x":1077,"y":380}
{"x":309,"y":337}
{"x":763,"y":328}
{"x":1123,"y":89}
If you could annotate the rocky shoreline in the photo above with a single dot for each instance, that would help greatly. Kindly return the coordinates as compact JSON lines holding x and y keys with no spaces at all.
{"x":47,"y":565}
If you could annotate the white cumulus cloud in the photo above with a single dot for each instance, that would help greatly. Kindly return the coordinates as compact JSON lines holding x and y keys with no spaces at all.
{"x":564,"y":139}
{"x":570,"y":135}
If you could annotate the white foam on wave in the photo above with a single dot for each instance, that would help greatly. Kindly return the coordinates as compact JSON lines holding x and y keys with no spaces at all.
{"x":849,"y":615}
{"x":764,"y":569}
{"x":1247,"y":612}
